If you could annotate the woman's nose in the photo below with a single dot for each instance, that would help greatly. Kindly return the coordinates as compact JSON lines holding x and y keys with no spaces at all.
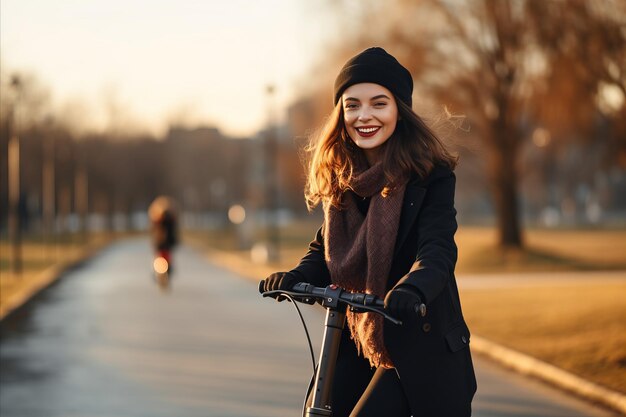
{"x":365,"y":113}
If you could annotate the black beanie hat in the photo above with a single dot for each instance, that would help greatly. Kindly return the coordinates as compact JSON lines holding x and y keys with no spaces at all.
{"x":375,"y":65}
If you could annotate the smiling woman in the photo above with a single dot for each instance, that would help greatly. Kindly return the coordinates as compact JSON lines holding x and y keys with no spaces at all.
{"x":387,"y":188}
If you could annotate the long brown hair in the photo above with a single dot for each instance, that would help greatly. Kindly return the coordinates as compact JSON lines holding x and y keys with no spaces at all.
{"x":413,"y":148}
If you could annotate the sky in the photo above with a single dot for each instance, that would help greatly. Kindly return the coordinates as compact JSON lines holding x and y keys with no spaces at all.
{"x":157,"y":62}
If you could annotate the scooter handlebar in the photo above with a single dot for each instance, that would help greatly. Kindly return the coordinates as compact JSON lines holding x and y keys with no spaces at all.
{"x":332,"y":296}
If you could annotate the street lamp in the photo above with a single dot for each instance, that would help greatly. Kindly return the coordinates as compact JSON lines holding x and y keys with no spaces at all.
{"x":48,"y":189}
{"x":271,"y":179}
{"x":14,"y":182}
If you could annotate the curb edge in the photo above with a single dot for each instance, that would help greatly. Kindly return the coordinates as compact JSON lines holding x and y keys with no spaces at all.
{"x":528,"y":365}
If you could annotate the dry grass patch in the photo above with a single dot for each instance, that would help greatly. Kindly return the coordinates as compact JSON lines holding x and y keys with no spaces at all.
{"x":37,"y":257}
{"x":545,"y":250}
{"x":577,"y":326}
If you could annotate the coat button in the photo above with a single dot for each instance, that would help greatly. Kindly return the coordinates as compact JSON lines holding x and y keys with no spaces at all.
{"x":464,"y":339}
{"x":426,"y":327}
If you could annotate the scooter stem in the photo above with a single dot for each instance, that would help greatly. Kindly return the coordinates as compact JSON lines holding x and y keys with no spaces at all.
{"x":333,"y":326}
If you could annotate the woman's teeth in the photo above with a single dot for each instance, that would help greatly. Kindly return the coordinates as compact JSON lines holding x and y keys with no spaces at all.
{"x":367,"y":129}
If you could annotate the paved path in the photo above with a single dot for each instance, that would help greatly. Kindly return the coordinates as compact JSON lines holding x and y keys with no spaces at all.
{"x":105,"y":341}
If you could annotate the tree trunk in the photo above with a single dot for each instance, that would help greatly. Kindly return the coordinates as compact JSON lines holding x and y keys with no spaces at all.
{"x":502,"y":168}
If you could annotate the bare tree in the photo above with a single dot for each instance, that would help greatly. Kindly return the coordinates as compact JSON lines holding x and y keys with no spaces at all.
{"x":498,"y":61}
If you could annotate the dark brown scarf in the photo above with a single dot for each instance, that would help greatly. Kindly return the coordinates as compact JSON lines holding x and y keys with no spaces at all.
{"x":359,"y":250}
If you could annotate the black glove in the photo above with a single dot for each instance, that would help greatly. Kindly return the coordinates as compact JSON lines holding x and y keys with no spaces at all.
{"x":279,"y":281}
{"x":404,"y":301}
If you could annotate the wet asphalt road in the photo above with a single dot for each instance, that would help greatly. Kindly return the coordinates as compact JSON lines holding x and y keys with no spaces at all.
{"x":104,"y":341}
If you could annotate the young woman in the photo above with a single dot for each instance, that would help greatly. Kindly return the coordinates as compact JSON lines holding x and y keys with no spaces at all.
{"x":387,"y":188}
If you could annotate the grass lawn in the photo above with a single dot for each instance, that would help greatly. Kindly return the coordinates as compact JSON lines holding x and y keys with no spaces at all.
{"x":37,"y":256}
{"x":546,"y":250}
{"x":577,"y":325}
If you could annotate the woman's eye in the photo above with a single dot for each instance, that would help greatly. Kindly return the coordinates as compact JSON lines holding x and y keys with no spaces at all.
{"x":380,"y":104}
{"x":351,"y":106}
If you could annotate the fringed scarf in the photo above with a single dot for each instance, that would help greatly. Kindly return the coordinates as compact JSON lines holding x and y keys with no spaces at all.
{"x":359,"y":250}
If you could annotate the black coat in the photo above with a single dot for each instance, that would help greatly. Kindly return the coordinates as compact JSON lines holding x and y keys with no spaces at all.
{"x":431,"y":354}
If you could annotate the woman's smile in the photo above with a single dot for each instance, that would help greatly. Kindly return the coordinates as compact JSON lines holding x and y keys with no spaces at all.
{"x":367,"y":131}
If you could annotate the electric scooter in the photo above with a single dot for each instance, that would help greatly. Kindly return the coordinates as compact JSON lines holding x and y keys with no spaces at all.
{"x":336,"y":301}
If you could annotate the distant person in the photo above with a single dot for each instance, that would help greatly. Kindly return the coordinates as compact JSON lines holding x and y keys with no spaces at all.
{"x":163,"y":226}
{"x":386,"y":184}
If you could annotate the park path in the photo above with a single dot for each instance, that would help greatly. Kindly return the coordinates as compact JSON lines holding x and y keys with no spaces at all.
{"x":105,"y":341}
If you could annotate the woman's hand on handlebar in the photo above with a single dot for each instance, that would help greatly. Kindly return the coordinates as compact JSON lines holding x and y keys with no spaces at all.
{"x":279,"y":281}
{"x":403,"y":301}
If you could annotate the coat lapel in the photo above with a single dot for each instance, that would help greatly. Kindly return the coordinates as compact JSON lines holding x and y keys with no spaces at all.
{"x":413,"y":198}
